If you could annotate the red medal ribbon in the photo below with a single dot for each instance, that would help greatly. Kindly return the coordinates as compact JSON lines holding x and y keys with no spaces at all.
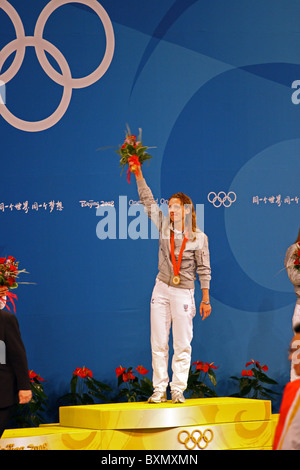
{"x":136,"y":162}
{"x":176,"y":266}
{"x":10,"y":296}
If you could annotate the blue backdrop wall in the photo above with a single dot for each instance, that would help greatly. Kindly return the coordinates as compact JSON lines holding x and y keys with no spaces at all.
{"x":214,"y":87}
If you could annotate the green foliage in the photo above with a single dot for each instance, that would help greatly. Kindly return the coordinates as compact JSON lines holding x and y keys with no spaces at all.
{"x":84,"y":390}
{"x":132,"y":388}
{"x":32,"y":414}
{"x":251,"y":384}
{"x":196,"y":386}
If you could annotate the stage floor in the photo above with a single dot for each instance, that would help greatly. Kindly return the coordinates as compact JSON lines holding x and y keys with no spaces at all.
{"x":198,"y":424}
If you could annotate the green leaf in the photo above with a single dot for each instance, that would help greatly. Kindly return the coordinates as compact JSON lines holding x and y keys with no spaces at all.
{"x":87,"y":399}
{"x":212,"y":376}
{"x":268,"y":390}
{"x":245,"y":387}
{"x":120,"y":380}
{"x":74,"y":383}
{"x":102,"y":385}
{"x":264,"y":378}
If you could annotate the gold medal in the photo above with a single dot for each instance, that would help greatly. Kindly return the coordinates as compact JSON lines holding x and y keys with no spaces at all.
{"x":176,"y":265}
{"x":176,"y":280}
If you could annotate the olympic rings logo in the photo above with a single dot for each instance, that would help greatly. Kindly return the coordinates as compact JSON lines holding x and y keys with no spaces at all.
{"x":222,"y":198}
{"x":41,"y":45}
{"x":196,"y":437}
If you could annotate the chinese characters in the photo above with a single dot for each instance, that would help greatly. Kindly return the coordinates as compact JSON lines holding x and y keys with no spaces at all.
{"x":278,"y":200}
{"x":26,"y":207}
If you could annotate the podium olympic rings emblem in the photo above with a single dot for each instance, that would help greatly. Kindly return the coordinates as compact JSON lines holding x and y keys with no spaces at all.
{"x":222,"y":198}
{"x":41,"y":45}
{"x":196,"y":437}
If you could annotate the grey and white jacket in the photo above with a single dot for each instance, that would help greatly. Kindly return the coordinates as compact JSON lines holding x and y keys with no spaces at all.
{"x":195,"y":258}
{"x":293,"y":273}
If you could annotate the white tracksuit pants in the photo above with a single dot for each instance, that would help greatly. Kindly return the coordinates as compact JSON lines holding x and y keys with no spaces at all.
{"x":171,"y":306}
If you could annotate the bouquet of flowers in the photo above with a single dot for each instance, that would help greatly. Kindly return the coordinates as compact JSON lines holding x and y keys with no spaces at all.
{"x":297,"y":257}
{"x":9,"y":271}
{"x":133,"y":151}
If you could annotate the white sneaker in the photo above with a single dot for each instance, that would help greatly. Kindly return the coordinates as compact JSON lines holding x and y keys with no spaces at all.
{"x":158,"y":397}
{"x":177,"y":396}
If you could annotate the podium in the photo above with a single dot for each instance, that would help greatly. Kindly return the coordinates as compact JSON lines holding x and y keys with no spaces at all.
{"x":198,"y":424}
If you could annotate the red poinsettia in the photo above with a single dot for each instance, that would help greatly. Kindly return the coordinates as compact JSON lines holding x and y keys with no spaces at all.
{"x":83,"y":372}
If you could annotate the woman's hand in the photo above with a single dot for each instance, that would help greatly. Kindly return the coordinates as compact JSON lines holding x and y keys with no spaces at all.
{"x":136,"y":169}
{"x":205,"y":310}
{"x":3,"y":291}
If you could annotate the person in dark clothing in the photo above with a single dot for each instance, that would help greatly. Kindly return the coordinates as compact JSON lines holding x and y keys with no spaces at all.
{"x":14,"y":378}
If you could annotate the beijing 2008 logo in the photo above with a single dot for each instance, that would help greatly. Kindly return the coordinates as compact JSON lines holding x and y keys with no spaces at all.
{"x":41,"y":46}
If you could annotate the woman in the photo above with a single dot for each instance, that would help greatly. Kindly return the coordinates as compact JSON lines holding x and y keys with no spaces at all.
{"x":3,"y":291}
{"x":294,"y":277}
{"x":183,"y":251}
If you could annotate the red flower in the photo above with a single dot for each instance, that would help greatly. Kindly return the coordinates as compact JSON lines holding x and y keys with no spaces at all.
{"x":2,"y":260}
{"x":33,"y":375}
{"x":120,"y":370}
{"x":264,"y":368}
{"x":134,"y":159}
{"x":297,"y":257}
{"x":142,"y":370}
{"x":198,"y":365}
{"x":11,"y":259}
{"x":205,"y":366}
{"x":247,"y":373}
{"x":212,"y":366}
{"x":128,"y":376}
{"x":83,"y":372}
{"x":10,"y":281}
{"x":130,"y":139}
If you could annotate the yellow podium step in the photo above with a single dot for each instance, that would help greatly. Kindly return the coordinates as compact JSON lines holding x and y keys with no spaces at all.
{"x":210,"y":423}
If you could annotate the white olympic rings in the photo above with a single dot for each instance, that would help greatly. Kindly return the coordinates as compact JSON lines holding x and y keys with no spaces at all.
{"x":222,"y":198}
{"x":41,"y":45}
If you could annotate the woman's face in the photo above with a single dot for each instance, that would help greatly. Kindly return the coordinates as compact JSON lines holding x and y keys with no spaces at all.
{"x":176,"y":211}
{"x":295,"y":353}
